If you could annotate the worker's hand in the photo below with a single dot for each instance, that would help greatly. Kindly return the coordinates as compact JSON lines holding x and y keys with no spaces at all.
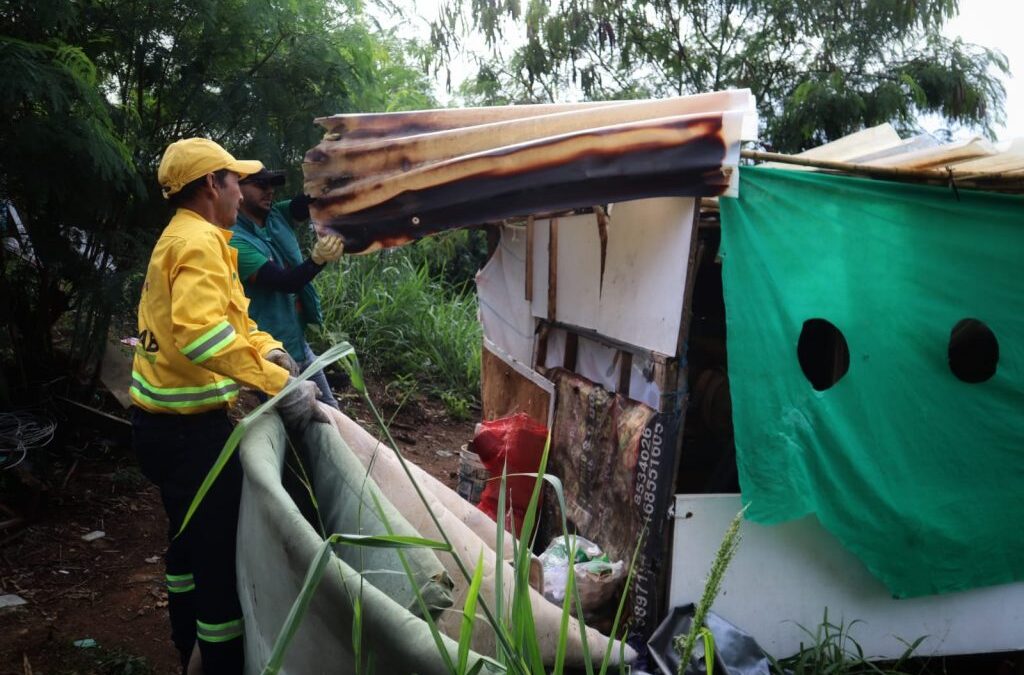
{"x":298,"y":207}
{"x":300,"y":407}
{"x":327,"y":249}
{"x":280,"y":357}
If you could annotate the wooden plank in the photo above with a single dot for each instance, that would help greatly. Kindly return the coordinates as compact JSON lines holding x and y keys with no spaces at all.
{"x":506,"y":390}
{"x":572,"y":343}
{"x":591,"y":334}
{"x":541,"y":354}
{"x":552,"y":269}
{"x":493,"y":238}
{"x":530,"y":225}
{"x":666,"y":376}
{"x":602,"y":234}
{"x":694,"y":259}
{"x":625,"y":373}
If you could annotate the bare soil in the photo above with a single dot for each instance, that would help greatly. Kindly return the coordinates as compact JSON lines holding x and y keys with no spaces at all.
{"x":110,"y":591}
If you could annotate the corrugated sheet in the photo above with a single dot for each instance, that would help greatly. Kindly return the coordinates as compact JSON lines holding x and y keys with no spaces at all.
{"x":383,"y":180}
{"x":972,"y":163}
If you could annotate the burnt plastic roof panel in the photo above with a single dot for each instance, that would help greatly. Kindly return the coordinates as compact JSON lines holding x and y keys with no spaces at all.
{"x":383,"y":180}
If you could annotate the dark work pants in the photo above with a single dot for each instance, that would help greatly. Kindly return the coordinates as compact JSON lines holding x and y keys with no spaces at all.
{"x":176,"y":452}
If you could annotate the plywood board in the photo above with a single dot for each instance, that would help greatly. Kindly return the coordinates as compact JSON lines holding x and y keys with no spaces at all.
{"x":578,"y":286}
{"x":579,"y":271}
{"x":508,"y":386}
{"x":645,"y":272}
{"x":785,"y":576}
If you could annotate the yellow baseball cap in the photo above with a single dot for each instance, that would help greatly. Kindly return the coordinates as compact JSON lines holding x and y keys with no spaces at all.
{"x":192,"y":158}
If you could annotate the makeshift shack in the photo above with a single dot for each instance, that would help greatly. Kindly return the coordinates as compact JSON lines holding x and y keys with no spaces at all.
{"x":592,"y":304}
{"x":819,"y":347}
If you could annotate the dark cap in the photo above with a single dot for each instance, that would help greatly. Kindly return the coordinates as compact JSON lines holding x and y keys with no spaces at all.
{"x":265,"y":177}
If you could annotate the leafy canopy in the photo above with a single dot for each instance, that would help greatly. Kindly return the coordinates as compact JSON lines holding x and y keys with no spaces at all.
{"x":94,"y":90}
{"x":820,"y":69}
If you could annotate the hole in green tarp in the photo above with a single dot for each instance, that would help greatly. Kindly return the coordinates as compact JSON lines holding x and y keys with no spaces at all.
{"x":823,"y":353}
{"x":973,"y":351}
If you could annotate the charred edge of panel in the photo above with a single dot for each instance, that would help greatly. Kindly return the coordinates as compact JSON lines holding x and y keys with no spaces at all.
{"x":705,"y":151}
{"x":390,"y":227}
{"x":705,"y":148}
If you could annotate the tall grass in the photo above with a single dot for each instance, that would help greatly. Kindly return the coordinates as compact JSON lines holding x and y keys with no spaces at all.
{"x":832,"y":649}
{"x":410,"y":316}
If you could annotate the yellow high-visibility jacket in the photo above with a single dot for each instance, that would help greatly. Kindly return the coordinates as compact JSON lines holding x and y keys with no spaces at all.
{"x":197,"y":344}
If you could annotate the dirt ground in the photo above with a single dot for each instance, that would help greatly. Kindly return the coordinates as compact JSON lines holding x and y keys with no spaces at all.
{"x":109,"y":591}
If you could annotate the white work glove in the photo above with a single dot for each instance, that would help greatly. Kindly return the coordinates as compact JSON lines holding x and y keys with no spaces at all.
{"x":300,"y":407}
{"x":280,"y":357}
{"x":327,"y":249}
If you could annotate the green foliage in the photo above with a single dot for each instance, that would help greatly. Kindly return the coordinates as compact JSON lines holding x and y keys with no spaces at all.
{"x":399,"y":313}
{"x":832,"y":649}
{"x":819,"y":69}
{"x":93,"y":93}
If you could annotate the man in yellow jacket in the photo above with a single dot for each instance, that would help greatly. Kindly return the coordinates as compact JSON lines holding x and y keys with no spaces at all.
{"x":196,"y":347}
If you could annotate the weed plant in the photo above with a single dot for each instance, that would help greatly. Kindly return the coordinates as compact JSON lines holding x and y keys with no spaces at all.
{"x":832,"y":649}
{"x":412,"y":316}
{"x":684,"y":644}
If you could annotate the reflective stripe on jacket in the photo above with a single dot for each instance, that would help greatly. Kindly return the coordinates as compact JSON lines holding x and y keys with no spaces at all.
{"x":197,"y":344}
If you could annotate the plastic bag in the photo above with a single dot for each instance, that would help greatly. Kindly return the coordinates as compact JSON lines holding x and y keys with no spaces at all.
{"x":736,"y":652}
{"x":517,"y":440}
{"x":598,"y":579}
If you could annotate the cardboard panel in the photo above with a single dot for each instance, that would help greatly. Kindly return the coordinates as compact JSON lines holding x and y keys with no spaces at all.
{"x":578,"y":281}
{"x":645,"y":272}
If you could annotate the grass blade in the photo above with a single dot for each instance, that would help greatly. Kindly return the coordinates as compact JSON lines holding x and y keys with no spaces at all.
{"x":563,"y":626}
{"x":298,"y":609}
{"x":337,"y":351}
{"x":622,"y":603}
{"x":315,"y":574}
{"x":351,"y":364}
{"x":388,"y":541}
{"x":435,"y":634}
{"x":469,"y":614}
{"x":357,"y":632}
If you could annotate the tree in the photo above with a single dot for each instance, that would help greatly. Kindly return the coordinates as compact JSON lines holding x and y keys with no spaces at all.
{"x":93,"y":93}
{"x":820,"y":69}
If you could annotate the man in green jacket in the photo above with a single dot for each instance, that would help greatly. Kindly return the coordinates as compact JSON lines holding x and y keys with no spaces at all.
{"x":276,"y":277}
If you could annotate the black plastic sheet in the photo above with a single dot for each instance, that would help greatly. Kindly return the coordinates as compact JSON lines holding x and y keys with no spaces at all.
{"x":736,"y":652}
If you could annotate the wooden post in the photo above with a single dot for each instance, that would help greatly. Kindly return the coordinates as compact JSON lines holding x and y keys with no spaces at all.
{"x":625,"y":373}
{"x":529,"y":258}
{"x":493,"y":238}
{"x":553,"y":270}
{"x":572,"y":343}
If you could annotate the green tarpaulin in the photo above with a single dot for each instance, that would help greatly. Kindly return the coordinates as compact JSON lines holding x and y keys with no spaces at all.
{"x":916,"y":471}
